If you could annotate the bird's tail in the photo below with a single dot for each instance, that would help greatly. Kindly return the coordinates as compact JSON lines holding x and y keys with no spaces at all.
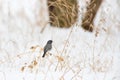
{"x":44,"y":54}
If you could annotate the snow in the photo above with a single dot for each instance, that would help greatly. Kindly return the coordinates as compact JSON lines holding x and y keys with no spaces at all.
{"x":76,"y":54}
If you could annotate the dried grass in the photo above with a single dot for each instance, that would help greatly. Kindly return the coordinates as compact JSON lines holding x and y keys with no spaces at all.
{"x":88,"y":20}
{"x":63,"y":13}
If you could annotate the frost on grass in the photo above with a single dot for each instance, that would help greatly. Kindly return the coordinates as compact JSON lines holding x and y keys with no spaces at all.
{"x":76,"y":54}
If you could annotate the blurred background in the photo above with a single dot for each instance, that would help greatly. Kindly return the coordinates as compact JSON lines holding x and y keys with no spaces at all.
{"x":85,"y":34}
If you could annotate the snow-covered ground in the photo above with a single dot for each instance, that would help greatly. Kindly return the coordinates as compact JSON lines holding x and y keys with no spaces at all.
{"x":76,"y":54}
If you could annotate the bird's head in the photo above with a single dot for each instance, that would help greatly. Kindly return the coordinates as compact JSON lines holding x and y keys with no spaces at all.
{"x":50,"y":41}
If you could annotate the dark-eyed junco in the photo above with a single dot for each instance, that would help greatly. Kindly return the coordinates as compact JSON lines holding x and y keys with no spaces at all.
{"x":47,"y":47}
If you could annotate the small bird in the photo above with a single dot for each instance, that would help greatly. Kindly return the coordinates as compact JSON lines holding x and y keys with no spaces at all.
{"x":47,"y":47}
